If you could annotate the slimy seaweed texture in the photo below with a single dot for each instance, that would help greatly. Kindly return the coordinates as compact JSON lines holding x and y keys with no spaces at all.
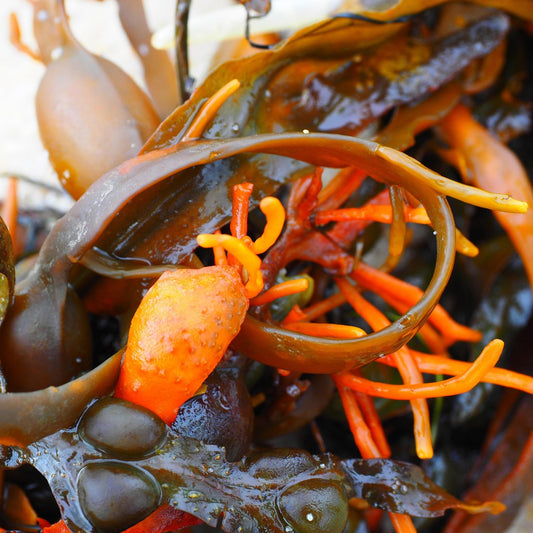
{"x":266,"y":295}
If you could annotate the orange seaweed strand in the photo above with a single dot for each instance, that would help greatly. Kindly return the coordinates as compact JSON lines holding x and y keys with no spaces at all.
{"x":405,"y":363}
{"x":209,"y":109}
{"x":386,"y":285}
{"x":484,"y":160}
{"x":320,"y":308}
{"x":448,"y":387}
{"x":373,"y":421}
{"x":436,"y":364}
{"x":219,"y":253}
{"x":285,"y":288}
{"x":376,"y":213}
{"x":241,"y":202}
{"x":367,"y":446}
{"x":274,"y":212}
{"x":360,"y":431}
{"x":402,"y":523}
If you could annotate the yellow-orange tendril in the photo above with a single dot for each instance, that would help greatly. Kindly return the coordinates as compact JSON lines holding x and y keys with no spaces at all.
{"x":449,"y":387}
{"x":438,"y":364}
{"x":246,"y":257}
{"x":285,"y":288}
{"x":209,"y":110}
{"x":274,"y":212}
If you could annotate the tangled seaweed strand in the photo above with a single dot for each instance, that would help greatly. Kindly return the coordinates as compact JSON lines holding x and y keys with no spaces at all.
{"x":175,"y":477}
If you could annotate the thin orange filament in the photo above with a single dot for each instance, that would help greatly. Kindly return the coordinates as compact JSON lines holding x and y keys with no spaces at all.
{"x":376,"y":213}
{"x":448,"y":387}
{"x":15,"y":38}
{"x":437,"y":364}
{"x":388,"y":286}
{"x":318,"y":309}
{"x":367,"y":446}
{"x":295,"y":315}
{"x":209,"y":110}
{"x":360,"y":431}
{"x":371,"y":416}
{"x":405,"y":364}
{"x":285,"y":288}
{"x":402,"y":523}
{"x":436,"y":342}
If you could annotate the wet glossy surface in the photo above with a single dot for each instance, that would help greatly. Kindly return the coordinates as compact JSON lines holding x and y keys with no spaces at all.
{"x":268,"y":491}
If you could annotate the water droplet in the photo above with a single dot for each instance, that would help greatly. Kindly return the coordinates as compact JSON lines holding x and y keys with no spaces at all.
{"x":235,"y":128}
{"x":57,"y":53}
{"x":66,"y":174}
{"x":306,"y":132}
{"x":143,"y":49}
{"x":309,"y":517}
{"x":405,"y":320}
{"x":78,"y":360}
{"x":268,"y":94}
{"x":42,"y":15}
{"x":404,"y":489}
{"x":289,"y":529}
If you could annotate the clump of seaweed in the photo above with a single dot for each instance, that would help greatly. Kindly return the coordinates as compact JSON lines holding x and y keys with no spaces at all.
{"x":247,"y":335}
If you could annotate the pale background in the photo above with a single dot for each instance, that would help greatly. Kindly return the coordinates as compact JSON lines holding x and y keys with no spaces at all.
{"x":96,"y":25}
